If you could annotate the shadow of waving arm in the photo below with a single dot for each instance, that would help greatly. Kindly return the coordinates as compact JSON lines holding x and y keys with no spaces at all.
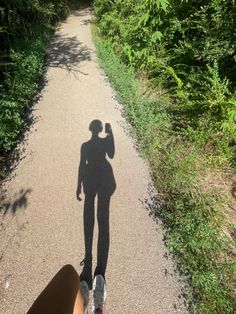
{"x":110,"y":147}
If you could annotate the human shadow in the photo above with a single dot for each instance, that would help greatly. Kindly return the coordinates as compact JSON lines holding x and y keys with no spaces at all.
{"x":66,"y":53}
{"x":96,"y":176}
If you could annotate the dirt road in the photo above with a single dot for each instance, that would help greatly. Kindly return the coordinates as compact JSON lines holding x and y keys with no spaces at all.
{"x":42,"y":229}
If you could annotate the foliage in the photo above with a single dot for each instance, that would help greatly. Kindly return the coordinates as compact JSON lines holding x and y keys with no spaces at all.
{"x":25,"y":26}
{"x":187,"y":47}
{"x":19,"y":85}
{"x":172,"y":131}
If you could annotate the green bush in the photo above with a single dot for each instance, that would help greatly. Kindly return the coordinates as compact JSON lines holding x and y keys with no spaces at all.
{"x":19,"y":85}
{"x":191,"y":218}
{"x":187,"y":47}
{"x":25,"y":26}
{"x":185,"y":52}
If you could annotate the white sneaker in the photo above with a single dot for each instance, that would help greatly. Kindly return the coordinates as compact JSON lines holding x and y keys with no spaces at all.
{"x":84,"y":289}
{"x":99,"y":294}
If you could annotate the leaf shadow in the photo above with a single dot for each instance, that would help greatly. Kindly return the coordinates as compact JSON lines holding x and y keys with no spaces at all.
{"x":67,"y":53}
{"x":19,"y":201}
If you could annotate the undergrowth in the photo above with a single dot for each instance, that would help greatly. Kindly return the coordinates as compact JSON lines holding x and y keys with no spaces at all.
{"x":19,"y":85}
{"x":191,"y":216}
{"x":25,"y":28}
{"x":187,"y":49}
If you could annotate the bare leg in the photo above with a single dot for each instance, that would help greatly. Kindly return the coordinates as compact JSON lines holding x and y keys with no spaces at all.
{"x":79,"y":304}
{"x":61,"y":295}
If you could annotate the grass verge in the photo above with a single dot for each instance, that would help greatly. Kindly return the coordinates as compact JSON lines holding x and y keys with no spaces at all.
{"x":191,"y":209}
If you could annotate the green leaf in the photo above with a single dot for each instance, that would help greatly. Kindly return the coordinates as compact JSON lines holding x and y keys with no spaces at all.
{"x":156,"y":36}
{"x":163,"y":4}
{"x":143,"y":19}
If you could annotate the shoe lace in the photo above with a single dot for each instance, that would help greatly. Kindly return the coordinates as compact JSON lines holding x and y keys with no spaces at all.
{"x":82,"y":262}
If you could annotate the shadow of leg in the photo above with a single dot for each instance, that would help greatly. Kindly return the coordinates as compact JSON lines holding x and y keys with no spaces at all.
{"x":103,"y":233}
{"x":88,"y":238}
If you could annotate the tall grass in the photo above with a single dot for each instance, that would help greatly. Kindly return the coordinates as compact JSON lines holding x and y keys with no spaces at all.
{"x":190,"y":216}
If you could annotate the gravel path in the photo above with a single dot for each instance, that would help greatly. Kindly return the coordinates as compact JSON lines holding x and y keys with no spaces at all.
{"x":43,"y":227}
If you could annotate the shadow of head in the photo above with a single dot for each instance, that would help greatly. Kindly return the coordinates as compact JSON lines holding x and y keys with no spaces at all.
{"x":66,"y":53}
{"x":96,"y":126}
{"x":19,"y":201}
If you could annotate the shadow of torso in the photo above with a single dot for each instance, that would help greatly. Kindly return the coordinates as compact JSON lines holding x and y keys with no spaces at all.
{"x":97,"y":173}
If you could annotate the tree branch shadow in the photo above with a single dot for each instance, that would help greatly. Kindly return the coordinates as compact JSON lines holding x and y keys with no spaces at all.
{"x":11,"y":205}
{"x":85,"y":11}
{"x":67,"y":53}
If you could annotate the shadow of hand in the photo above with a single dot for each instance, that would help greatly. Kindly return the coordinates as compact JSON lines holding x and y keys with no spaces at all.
{"x":78,"y":193}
